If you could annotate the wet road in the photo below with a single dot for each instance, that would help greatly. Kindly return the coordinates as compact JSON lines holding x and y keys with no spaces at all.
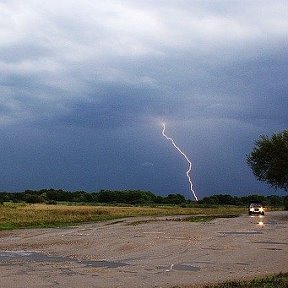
{"x":136,"y":253}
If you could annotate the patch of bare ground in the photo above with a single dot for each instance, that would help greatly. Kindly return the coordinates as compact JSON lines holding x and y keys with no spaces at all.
{"x":145,"y":252}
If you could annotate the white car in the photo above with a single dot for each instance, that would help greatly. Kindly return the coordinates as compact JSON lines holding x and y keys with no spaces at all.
{"x":256,"y":208}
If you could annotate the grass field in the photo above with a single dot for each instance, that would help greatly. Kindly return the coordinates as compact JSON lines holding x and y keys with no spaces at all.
{"x":275,"y":281}
{"x":41,"y":215}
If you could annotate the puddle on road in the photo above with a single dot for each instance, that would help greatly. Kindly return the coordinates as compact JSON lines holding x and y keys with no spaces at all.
{"x":186,"y":267}
{"x":181,"y":267}
{"x":241,"y":233}
{"x":41,"y":257}
{"x":271,"y":242}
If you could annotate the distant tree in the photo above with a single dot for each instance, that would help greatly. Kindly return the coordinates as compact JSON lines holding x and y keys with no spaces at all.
{"x":274,"y":200}
{"x":269,"y":160}
{"x":57,"y":195}
{"x":286,"y":203}
{"x":126,"y":196}
{"x":80,"y":196}
{"x":159,"y":199}
{"x":33,"y":198}
{"x":175,"y":199}
{"x":211,"y":200}
{"x":2,"y":198}
{"x":225,"y":199}
{"x":253,"y":198}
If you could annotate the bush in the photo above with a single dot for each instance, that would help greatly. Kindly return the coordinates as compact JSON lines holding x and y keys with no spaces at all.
{"x":33,"y":198}
{"x":286,"y":203}
{"x":51,"y":202}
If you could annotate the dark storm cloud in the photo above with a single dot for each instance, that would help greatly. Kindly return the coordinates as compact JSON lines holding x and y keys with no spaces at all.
{"x":114,"y":107}
{"x":254,"y":90}
{"x":186,"y":57}
{"x":216,"y":71}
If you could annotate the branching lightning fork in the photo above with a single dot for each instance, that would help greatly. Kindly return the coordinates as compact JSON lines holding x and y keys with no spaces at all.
{"x":185,"y":156}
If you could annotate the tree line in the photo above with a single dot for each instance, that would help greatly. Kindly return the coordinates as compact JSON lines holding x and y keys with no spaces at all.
{"x":133,"y":197}
{"x":52,"y":196}
{"x":226,"y":199}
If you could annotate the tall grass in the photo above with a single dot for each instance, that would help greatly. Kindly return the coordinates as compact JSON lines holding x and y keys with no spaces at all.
{"x":275,"y":281}
{"x":42,"y":215}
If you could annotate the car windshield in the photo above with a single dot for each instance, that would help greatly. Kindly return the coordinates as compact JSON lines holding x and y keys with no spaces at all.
{"x":257,"y":205}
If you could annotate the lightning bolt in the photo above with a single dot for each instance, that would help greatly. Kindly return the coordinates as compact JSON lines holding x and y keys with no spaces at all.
{"x":185,"y":156}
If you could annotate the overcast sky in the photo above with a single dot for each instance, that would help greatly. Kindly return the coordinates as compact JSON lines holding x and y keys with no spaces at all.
{"x":85,"y":85}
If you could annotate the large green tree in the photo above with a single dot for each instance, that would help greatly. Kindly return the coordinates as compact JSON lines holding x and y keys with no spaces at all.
{"x":269,"y":160}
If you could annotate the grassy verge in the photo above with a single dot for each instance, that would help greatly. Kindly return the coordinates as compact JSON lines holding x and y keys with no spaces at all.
{"x":194,"y":218}
{"x":41,"y":215}
{"x":275,"y":281}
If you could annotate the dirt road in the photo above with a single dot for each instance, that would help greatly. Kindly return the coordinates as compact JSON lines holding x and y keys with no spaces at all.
{"x":137,"y":252}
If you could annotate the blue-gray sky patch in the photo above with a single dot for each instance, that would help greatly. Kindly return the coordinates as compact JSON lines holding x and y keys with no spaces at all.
{"x":85,"y":84}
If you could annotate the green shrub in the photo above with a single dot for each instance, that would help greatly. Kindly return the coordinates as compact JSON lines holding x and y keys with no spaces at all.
{"x":286,"y":203}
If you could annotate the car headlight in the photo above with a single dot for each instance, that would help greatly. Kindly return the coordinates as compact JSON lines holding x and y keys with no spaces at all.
{"x":261,"y":209}
{"x":251,"y":209}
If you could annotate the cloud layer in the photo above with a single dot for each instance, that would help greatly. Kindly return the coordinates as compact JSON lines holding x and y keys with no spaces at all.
{"x":216,"y":71}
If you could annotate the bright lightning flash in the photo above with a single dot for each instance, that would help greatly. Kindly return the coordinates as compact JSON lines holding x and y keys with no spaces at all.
{"x":185,"y":156}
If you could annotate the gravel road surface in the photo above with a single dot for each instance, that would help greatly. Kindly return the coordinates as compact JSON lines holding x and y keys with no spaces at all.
{"x":145,"y":252}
